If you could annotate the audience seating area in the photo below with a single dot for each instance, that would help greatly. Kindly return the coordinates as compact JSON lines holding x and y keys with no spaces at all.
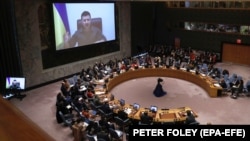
{"x":84,"y":100}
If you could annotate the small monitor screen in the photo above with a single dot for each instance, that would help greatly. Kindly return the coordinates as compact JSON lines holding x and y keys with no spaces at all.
{"x":15,"y":83}
{"x":153,"y":109}
{"x":112,"y":97}
{"x":136,"y":106}
{"x":122,"y":102}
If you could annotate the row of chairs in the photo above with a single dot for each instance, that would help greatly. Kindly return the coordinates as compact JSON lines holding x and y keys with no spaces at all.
{"x":67,"y":119}
{"x":115,"y":135}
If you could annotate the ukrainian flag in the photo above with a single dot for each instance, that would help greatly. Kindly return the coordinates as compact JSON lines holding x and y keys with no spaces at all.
{"x":61,"y":23}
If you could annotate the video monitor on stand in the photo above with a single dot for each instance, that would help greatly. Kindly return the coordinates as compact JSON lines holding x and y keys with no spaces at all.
{"x":14,"y":86}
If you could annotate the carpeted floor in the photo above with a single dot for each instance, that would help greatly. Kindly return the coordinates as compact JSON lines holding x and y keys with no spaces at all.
{"x":39,"y":104}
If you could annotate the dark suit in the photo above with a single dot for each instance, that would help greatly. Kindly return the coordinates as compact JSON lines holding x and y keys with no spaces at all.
{"x":223,"y":84}
{"x":190,"y":119}
{"x":103,"y":135}
{"x":92,"y":128}
{"x":146,"y":119}
{"x":123,"y":115}
{"x":238,"y":88}
{"x":105,"y":108}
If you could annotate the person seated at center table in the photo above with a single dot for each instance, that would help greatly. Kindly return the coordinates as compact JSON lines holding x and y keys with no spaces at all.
{"x":145,"y":118}
{"x":190,"y":118}
{"x":106,"y":108}
{"x":122,"y":114}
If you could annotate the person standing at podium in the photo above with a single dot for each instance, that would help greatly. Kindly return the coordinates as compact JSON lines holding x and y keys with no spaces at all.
{"x":158,"y":91}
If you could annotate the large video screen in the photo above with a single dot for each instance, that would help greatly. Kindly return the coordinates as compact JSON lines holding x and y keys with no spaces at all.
{"x":83,"y":24}
{"x":15,"y":83}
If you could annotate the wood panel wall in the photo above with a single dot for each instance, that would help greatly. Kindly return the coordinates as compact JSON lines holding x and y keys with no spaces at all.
{"x":236,"y":53}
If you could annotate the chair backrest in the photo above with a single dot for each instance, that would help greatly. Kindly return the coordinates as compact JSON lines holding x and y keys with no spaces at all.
{"x":100,"y":139}
{"x":97,"y":22}
{"x":248,"y":84}
{"x":119,"y":121}
{"x":71,"y":81}
{"x":101,"y":112}
{"x":113,"y":134}
{"x":61,"y":115}
{"x":233,"y":77}
{"x":241,"y":85}
{"x":76,"y":109}
{"x":93,"y":106}
{"x":194,"y":123}
{"x":90,"y":137}
{"x":66,"y":122}
{"x":239,"y":77}
{"x":75,"y":78}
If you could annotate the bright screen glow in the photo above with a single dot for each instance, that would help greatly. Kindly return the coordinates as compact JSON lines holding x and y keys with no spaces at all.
{"x":67,"y":21}
{"x":122,"y":102}
{"x":136,"y":106}
{"x":153,"y":108}
{"x":15,"y":83}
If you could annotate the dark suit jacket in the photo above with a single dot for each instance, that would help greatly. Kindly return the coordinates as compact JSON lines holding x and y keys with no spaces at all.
{"x":223,"y":84}
{"x":106,"y":108}
{"x":145,"y":119}
{"x":190,"y":119}
{"x":123,"y":115}
{"x":103,"y":135}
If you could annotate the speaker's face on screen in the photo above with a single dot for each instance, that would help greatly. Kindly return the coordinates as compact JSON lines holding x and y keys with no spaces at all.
{"x":86,"y":22}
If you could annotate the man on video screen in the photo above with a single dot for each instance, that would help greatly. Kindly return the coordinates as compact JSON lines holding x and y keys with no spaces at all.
{"x":87,"y":34}
{"x":15,"y":84}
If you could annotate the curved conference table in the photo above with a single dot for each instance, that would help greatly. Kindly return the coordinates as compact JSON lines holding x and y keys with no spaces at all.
{"x":162,"y":115}
{"x":207,"y":83}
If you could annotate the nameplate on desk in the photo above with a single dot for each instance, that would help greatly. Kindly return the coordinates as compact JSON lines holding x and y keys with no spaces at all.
{"x":105,"y":99}
{"x":100,"y":81}
{"x":193,"y":71}
{"x":128,"y":111}
{"x":173,"y":68}
{"x":203,"y":74}
{"x":99,"y":92}
{"x":184,"y":69}
{"x":217,"y":85}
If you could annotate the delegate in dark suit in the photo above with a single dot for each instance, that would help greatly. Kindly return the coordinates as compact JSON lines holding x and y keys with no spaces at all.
{"x":123,"y":115}
{"x":105,"y":108}
{"x":190,"y":118}
{"x":146,"y":119}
